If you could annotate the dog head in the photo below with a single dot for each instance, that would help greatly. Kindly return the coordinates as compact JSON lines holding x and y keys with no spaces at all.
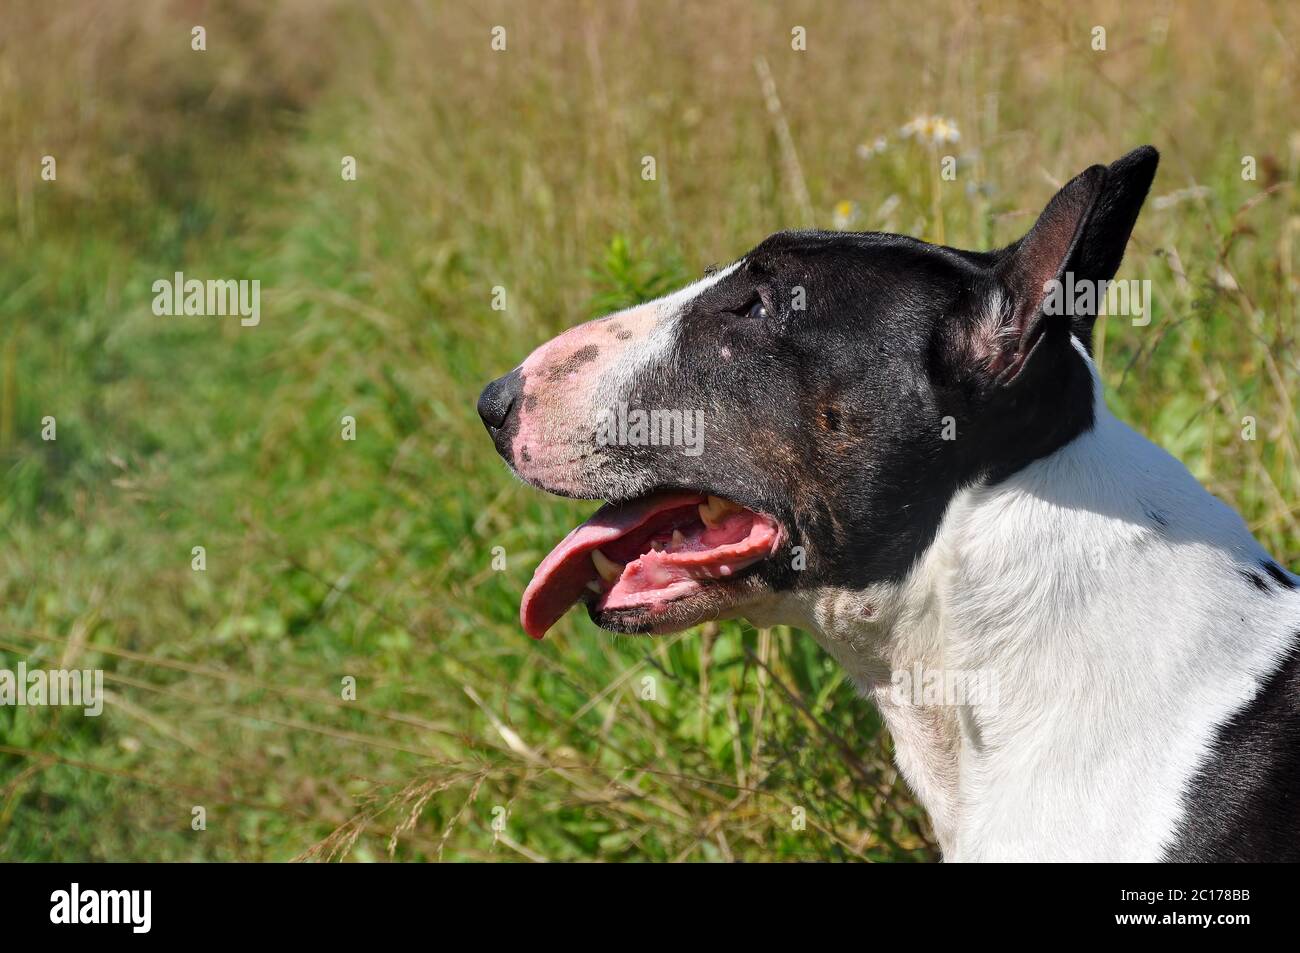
{"x":801,"y":418}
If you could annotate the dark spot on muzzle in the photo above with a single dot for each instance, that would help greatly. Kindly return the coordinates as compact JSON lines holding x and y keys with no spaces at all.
{"x":583,"y":355}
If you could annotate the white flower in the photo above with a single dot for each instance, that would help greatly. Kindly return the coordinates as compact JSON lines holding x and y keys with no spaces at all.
{"x":866,"y":150}
{"x":931,"y":130}
{"x":944,"y":130}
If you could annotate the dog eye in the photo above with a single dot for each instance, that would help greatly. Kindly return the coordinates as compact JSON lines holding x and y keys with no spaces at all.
{"x":757,"y":310}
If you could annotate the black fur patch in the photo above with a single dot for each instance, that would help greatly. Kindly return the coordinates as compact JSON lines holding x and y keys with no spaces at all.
{"x":1280,"y":577}
{"x":832,"y":416}
{"x":1254,"y":578}
{"x":1244,"y":803}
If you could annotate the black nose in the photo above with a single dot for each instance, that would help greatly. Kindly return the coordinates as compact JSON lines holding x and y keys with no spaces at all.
{"x":498,"y":399}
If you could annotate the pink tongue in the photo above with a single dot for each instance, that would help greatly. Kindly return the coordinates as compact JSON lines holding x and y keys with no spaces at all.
{"x":562,"y":577}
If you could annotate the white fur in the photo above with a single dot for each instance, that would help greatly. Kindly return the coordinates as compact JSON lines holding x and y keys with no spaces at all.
{"x":1118,"y":647}
{"x":648,"y":353}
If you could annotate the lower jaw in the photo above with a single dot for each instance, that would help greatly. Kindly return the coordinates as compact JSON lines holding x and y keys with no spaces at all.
{"x":716,"y":600}
{"x":641,"y":621}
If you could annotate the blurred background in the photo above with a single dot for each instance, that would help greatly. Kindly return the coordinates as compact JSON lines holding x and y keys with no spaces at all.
{"x":522,"y":168}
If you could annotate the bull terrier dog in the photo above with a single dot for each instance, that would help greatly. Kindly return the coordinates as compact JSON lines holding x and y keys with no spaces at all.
{"x":901,"y":449}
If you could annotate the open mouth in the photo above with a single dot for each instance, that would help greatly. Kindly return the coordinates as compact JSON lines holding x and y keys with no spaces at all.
{"x":640,"y":559}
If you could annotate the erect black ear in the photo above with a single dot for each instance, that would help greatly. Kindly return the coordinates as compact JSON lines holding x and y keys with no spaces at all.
{"x":1080,"y":237}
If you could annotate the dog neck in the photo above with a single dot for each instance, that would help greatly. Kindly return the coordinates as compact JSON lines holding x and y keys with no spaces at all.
{"x":1079,"y":632}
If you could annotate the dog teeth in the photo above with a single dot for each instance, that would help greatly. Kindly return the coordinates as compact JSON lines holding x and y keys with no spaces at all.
{"x":678,"y":541}
{"x":594,"y":586}
{"x":606,"y":568}
{"x":657,"y":546}
{"x":716,"y":510}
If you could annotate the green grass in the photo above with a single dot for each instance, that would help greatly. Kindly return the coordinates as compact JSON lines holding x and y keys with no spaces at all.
{"x":373,"y":558}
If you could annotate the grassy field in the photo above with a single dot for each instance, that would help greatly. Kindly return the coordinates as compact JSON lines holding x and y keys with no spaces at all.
{"x":371,"y":559}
